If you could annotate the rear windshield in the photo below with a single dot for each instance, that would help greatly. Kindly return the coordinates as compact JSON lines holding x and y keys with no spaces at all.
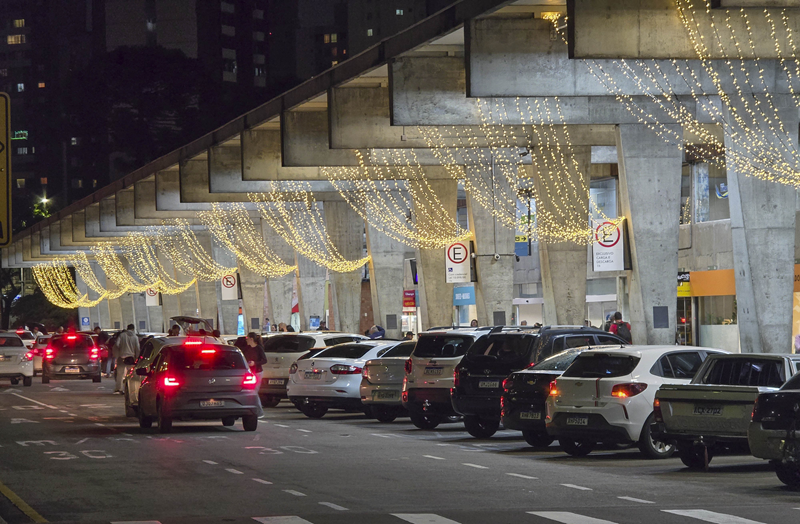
{"x":558,"y":362}
{"x":600,"y":365}
{"x":195,"y":359}
{"x":42,"y":340}
{"x":746,"y":372}
{"x":288,"y":344}
{"x":442,"y":346}
{"x":400,"y":350}
{"x":26,"y":335}
{"x":510,"y":349}
{"x":344,"y":351}
{"x":80,"y":342}
{"x":12,"y":342}
{"x":793,"y":383}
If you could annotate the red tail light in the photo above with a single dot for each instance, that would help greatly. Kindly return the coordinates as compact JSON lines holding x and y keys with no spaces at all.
{"x":657,"y":411}
{"x":29,"y":356}
{"x":250,"y":381}
{"x":72,"y":337}
{"x":627,"y":390}
{"x":409,"y":364}
{"x":755,"y":416}
{"x":343,"y":369}
{"x":208,"y":351}
{"x":95,"y":353}
{"x":49,"y":354}
{"x":171,"y":382}
{"x":365,"y":372}
{"x":293,"y":369}
{"x":20,"y":331}
{"x":507,"y":382}
{"x":553,"y":389}
{"x":192,"y":342}
{"x":456,"y":378}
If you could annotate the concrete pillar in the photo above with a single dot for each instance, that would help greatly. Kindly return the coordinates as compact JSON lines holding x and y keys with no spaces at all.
{"x":650,"y":190}
{"x":83,"y":312}
{"x":103,"y":308}
{"x":346,"y":231}
{"x":310,"y":292}
{"x":228,"y":309}
{"x":279,"y":290}
{"x":126,"y":308}
{"x":494,"y":290}
{"x":564,"y":263}
{"x":386,"y":275}
{"x":252,"y":299}
{"x":115,"y":309}
{"x":201,"y":299}
{"x":435,"y":295}
{"x":170,"y":304}
{"x":155,"y":319}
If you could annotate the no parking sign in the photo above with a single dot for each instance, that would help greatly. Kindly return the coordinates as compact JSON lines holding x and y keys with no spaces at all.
{"x":607,"y":251}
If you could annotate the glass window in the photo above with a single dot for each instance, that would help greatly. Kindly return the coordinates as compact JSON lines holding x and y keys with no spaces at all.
{"x":43,"y":180}
{"x":345,"y":351}
{"x":685,"y":364}
{"x":11,"y":342}
{"x":601,"y":365}
{"x":15,"y":39}
{"x":511,"y":349}
{"x":578,"y":341}
{"x":442,"y":346}
{"x":400,"y":350}
{"x":20,"y":183}
{"x":67,"y":342}
{"x":41,"y":85}
{"x":686,"y":195}
{"x":710,"y":192}
{"x":608,"y":339}
{"x":340,"y":340}
{"x":398,"y":12}
{"x":746,"y":372}
{"x":558,"y":362}
{"x":794,"y":382}
{"x":717,"y":311}
{"x":288,"y":344}
{"x":258,"y":14}
{"x":225,"y":7}
{"x":20,"y":87}
{"x":228,"y":30}
{"x":334,"y":38}
{"x":369,"y":32}
{"x":19,"y":22}
{"x":326,"y":38}
{"x":22,"y":150}
{"x":195,"y":359}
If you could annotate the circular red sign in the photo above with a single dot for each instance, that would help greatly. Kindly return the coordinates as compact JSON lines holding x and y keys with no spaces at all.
{"x":151,"y":292}
{"x":229,"y":281}
{"x":609,"y":240}
{"x":451,"y":252}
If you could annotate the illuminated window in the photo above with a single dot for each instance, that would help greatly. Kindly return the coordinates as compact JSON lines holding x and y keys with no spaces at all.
{"x":398,"y":12}
{"x":334,"y":62}
{"x":19,"y":22}
{"x":43,"y":180}
{"x":75,"y":141}
{"x":20,"y":88}
{"x":326,"y":39}
{"x":334,"y":51}
{"x":369,"y":32}
{"x":22,"y":150}
{"x":20,"y":183}
{"x":15,"y":39}
{"x":334,"y":38}
{"x":3,"y":72}
{"x":151,"y":26}
{"x":41,"y":85}
{"x":20,"y":135}
{"x":77,"y":183}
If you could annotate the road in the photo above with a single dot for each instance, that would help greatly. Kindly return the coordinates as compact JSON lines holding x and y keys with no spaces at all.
{"x":68,"y":454}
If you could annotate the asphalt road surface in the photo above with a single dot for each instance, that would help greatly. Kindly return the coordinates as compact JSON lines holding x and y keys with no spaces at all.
{"x":68,"y":454}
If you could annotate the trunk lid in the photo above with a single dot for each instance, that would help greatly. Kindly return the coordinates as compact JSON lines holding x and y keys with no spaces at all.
{"x":697,"y":408}
{"x":385,"y":370}
{"x":11,"y":358}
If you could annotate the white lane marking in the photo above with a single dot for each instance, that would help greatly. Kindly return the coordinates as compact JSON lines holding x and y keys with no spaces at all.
{"x":34,"y":401}
{"x":304,"y":430}
{"x":640,"y":501}
{"x":565,"y":517}
{"x":234,"y":471}
{"x":262,"y":481}
{"x":281,"y":426}
{"x":333,"y":506}
{"x":137,"y":522}
{"x":434,"y":457}
{"x":711,"y":516}
{"x":295,"y":493}
{"x":522,"y":476}
{"x":98,"y":424}
{"x":473,"y":465}
{"x":573,"y":486}
{"x":82,"y":441}
{"x":210,"y":462}
{"x":423,"y":518}
{"x":380,"y":435}
{"x":281,"y":520}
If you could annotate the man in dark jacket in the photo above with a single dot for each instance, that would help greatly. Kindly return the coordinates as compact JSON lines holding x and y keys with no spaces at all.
{"x":255,"y":357}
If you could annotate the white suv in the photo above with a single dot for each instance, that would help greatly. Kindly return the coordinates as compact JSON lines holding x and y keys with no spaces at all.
{"x":606,"y":396}
{"x":16,"y":360}
{"x":429,"y":374}
{"x":283,"y":350}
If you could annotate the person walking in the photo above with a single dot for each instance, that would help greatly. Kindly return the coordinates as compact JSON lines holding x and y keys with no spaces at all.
{"x":376,"y":332}
{"x":621,"y":328}
{"x":126,"y":350}
{"x":255,"y":357}
{"x":409,"y":335}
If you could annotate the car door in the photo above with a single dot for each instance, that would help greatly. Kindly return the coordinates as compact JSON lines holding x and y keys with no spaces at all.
{"x":148,"y":389}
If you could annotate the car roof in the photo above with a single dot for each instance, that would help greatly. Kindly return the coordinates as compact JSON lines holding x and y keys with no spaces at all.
{"x":776,"y":356}
{"x":649,"y":349}
{"x":571,"y":329}
{"x":8,"y":334}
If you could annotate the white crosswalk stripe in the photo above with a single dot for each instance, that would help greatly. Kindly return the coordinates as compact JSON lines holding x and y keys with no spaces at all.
{"x":281,"y":520}
{"x":711,"y":516}
{"x":424,"y":518}
{"x":566,"y":517}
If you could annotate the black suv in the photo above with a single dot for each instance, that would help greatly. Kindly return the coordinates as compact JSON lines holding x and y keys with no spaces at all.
{"x":479,"y":377}
{"x":555,"y":339}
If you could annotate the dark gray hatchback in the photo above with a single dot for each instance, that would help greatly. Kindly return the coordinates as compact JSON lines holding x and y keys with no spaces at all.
{"x":70,"y":356}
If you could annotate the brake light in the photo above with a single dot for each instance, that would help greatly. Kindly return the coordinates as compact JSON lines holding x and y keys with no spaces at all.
{"x":95,"y":353}
{"x":72,"y":337}
{"x":408,"y":366}
{"x":344,"y":369}
{"x":250,"y":381}
{"x":657,"y":411}
{"x":507,"y":383}
{"x":627,"y":390}
{"x":456,"y":379}
{"x":49,"y":353}
{"x":29,"y":356}
{"x":171,"y":382}
{"x":192,"y":342}
{"x":755,"y":416}
{"x":20,"y":331}
{"x":365,"y":372}
{"x":553,"y":389}
{"x":293,"y":369}
{"x":208,"y":351}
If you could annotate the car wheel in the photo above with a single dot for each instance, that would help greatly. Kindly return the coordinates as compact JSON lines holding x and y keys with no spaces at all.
{"x":693,"y":456}
{"x":537,"y":439}
{"x":314,"y":410}
{"x":384,"y":413}
{"x":789,"y":474}
{"x":164,"y":422}
{"x":45,"y":379}
{"x":228,"y":421}
{"x":250,"y":422}
{"x":97,"y":378}
{"x":651,"y":448}
{"x":481,"y":427}
{"x":576,"y":448}
{"x":27,"y":381}
{"x":425,"y":420}
{"x":269,"y":401}
{"x":14,"y":381}
{"x":145,"y":422}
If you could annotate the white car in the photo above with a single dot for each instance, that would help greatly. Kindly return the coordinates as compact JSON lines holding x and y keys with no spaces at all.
{"x":283,"y":349}
{"x":28,"y":338}
{"x":39,"y":345}
{"x":606,"y":396}
{"x":429,"y":375}
{"x":16,"y":360}
{"x":332,"y":377}
{"x":382,"y":381}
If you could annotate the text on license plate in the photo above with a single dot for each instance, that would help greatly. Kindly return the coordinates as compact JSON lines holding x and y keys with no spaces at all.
{"x":212,"y":403}
{"x":578,"y":420}
{"x":72,"y":369}
{"x":310,"y":375}
{"x":708,"y":410}
{"x":489,"y":384}
{"x":530,"y":415}
{"x":434,"y":371}
{"x":386,"y":394}
{"x":277,"y":381}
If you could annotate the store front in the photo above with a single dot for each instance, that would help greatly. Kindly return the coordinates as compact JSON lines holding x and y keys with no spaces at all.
{"x":706,"y":312}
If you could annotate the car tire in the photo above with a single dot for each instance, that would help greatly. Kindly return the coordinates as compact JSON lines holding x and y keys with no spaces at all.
{"x":693,"y":455}
{"x":537,"y":439}
{"x":45,"y":379}
{"x":145,"y":422}
{"x":97,"y":378}
{"x":250,"y":422}
{"x":384,"y":413}
{"x":27,"y":381}
{"x":314,"y":410}
{"x":789,"y":474}
{"x":650,"y":448}
{"x":425,"y":420}
{"x":164,"y":422}
{"x":14,"y":381}
{"x":269,"y":401}
{"x":576,"y":448}
{"x":481,"y":427}
{"x":228,"y":421}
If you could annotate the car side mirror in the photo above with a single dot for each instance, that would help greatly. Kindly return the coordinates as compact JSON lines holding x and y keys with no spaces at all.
{"x":142,"y":372}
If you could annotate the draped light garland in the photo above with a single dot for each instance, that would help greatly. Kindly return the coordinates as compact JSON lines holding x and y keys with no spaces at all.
{"x":181,"y":246}
{"x":141,"y":256}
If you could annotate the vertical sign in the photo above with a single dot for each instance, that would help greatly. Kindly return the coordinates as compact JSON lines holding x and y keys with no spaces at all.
{"x":607,"y":250}
{"x":456,"y":260}
{"x":230,"y":286}
{"x":5,"y":171}
{"x":151,"y":297}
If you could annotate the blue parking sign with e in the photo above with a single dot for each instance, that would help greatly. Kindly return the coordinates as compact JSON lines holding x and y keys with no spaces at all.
{"x":84,"y":321}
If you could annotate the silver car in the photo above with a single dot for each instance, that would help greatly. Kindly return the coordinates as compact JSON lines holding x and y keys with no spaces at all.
{"x":382,"y":382}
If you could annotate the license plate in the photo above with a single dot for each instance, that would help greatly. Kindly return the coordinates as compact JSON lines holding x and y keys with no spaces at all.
{"x":489,"y":384}
{"x":72,"y":369}
{"x":275,"y":381}
{"x":386,"y":394}
{"x":708,"y":410}
{"x":310,"y":375}
{"x":212,"y":403}
{"x":531,"y":415}
{"x":434,"y":371}
{"x":578,"y":420}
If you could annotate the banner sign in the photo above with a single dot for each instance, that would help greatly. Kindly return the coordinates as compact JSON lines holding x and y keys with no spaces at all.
{"x":464,"y":296}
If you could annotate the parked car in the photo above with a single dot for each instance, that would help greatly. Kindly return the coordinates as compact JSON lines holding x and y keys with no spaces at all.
{"x":772,"y":434}
{"x":28,"y":338}
{"x":382,"y":381}
{"x":478,"y":378}
{"x":203,"y":381}
{"x":429,"y":374}
{"x":192,"y":325}
{"x":132,"y":381}
{"x":71,"y":356}
{"x":16,"y":360}
{"x":525,"y":394}
{"x":606,"y":396}
{"x":555,"y":339}
{"x":38,"y":352}
{"x":715,"y":408}
{"x":283,"y":350}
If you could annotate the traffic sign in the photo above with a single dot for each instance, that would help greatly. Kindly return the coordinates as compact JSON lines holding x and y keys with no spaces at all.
{"x":607,"y":250}
{"x":5,"y":171}
{"x":230,"y":289}
{"x":457,"y":263}
{"x":151,"y":297}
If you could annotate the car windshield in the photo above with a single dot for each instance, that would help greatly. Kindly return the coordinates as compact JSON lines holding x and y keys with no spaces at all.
{"x":72,"y":342}
{"x":509,"y":349}
{"x":400,"y":350}
{"x":344,"y":351}
{"x":11,"y":342}
{"x":288,"y":344}
{"x":207,"y":358}
{"x":558,"y":362}
{"x":600,"y":365}
{"x":442,"y":346}
{"x":746,"y":372}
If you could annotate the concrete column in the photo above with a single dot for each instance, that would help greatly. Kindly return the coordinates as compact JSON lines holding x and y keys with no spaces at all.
{"x":436,"y":296}
{"x":310,"y":292}
{"x":494,"y":290}
{"x":252,"y":299}
{"x":140,"y":312}
{"x":279,"y":290}
{"x":228,"y":309}
{"x":346,"y":231}
{"x":155,"y":319}
{"x":115,"y":309}
{"x":564,"y":263}
{"x":126,"y":308}
{"x":170,"y":304}
{"x":103,"y":308}
{"x":206,"y":293}
{"x":386,"y":274}
{"x":650,"y":190}
{"x":84,"y":311}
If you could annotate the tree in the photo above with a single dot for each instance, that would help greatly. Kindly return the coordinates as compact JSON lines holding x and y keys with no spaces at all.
{"x":36,"y":308}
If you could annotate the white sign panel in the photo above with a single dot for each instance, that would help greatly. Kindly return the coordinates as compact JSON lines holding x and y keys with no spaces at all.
{"x":151,"y":297}
{"x":456,"y":260}
{"x":230,"y":287}
{"x":608,"y":251}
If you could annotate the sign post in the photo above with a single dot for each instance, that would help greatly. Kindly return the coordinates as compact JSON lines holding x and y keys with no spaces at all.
{"x":456,"y":260}
{"x":5,"y":171}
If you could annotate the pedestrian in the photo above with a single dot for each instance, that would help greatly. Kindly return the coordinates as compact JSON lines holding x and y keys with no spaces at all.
{"x":323,"y":326}
{"x":274,"y":328}
{"x":409,"y":335}
{"x":609,"y":321}
{"x":102,"y":340}
{"x":60,"y":330}
{"x":282,"y":327}
{"x":524,"y":323}
{"x":587,"y":323}
{"x":797,"y":343}
{"x":126,"y":351}
{"x":174,"y":331}
{"x":266,"y":325}
{"x":620,"y":328}
{"x":474,"y":323}
{"x":376,"y":332}
{"x":35,"y":331}
{"x":255,"y":357}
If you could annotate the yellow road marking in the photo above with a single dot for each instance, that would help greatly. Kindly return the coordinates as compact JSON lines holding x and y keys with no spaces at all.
{"x":21,"y":504}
